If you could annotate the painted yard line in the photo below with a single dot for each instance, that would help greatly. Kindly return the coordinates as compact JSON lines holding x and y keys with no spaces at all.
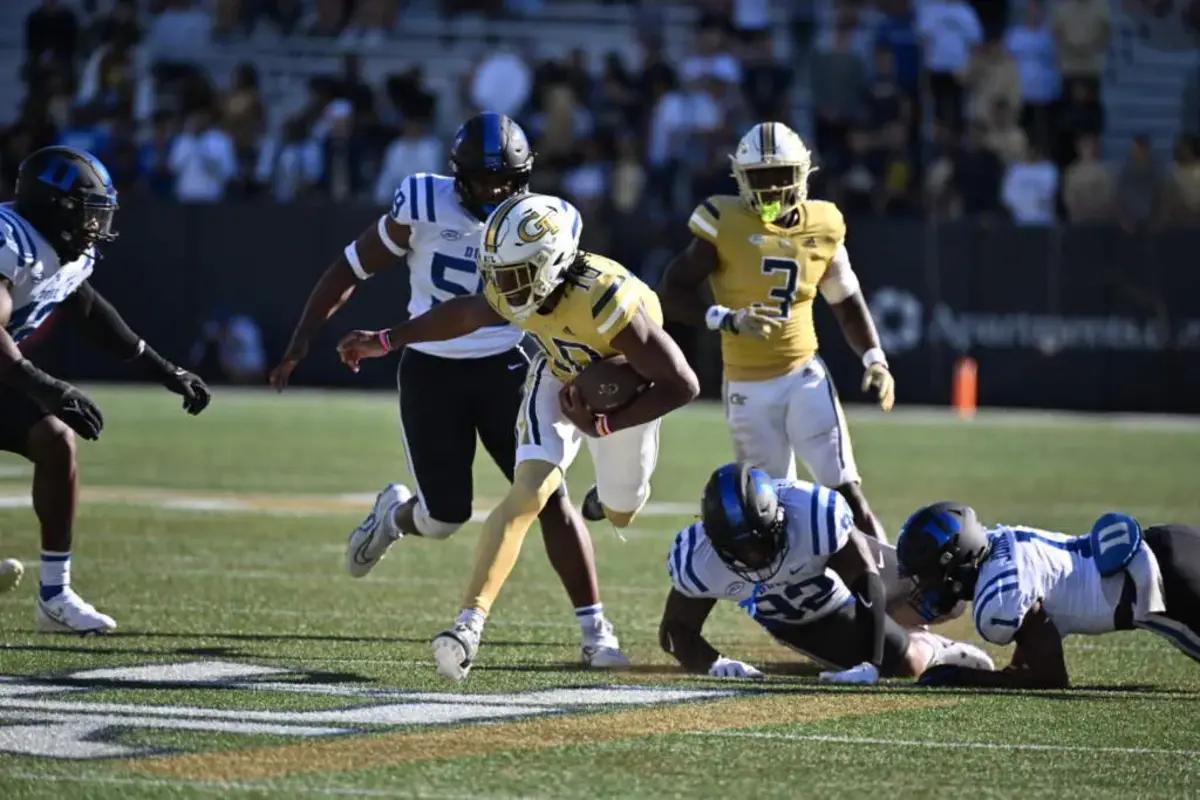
{"x":385,"y":750}
{"x":867,"y":740}
{"x":289,"y":789}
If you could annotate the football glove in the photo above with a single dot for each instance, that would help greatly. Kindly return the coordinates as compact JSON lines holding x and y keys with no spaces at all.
{"x":865,"y":674}
{"x":80,"y":414}
{"x":58,"y":398}
{"x":195,"y":392}
{"x":752,"y":322}
{"x":879,"y":379}
{"x":729,"y":668}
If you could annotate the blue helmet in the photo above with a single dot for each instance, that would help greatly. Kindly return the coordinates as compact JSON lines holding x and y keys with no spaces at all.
{"x":745,"y":521}
{"x":68,"y":197}
{"x":940,"y":547}
{"x":492,"y":160}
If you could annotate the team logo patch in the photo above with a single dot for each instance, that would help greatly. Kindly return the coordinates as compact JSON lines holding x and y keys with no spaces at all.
{"x":55,"y":717}
{"x":757,"y":239}
{"x":451,"y":235}
{"x":735,"y":588}
{"x":810,"y":241}
{"x":736,"y":399}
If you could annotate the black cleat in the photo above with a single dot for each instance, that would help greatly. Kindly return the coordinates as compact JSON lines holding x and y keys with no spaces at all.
{"x":591,"y":508}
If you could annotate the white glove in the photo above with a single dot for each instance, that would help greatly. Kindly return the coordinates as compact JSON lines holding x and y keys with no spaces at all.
{"x":728,"y":668}
{"x":865,"y":674}
{"x":754,"y":322}
{"x":879,"y":378}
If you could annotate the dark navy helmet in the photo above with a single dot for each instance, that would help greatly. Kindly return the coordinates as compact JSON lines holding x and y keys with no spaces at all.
{"x":745,"y":521}
{"x":68,"y":197}
{"x":940,"y":547}
{"x":492,"y":160}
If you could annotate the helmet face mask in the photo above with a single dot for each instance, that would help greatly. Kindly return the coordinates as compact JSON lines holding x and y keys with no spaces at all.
{"x":771,"y":167}
{"x":745,"y":522}
{"x":529,"y":243}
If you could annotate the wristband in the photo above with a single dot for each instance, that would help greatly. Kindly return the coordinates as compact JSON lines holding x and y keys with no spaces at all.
{"x":714,"y":317}
{"x":602,"y":426}
{"x":874,"y":356}
{"x":385,"y":339}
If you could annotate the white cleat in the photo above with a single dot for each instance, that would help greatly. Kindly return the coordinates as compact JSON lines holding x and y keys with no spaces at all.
{"x":67,"y":612}
{"x":11,"y":571}
{"x":454,"y":650}
{"x":948,"y":651}
{"x":370,"y":541}
{"x":603,"y":651}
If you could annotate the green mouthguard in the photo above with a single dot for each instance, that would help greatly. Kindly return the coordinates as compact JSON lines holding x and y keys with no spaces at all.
{"x":770,"y":211}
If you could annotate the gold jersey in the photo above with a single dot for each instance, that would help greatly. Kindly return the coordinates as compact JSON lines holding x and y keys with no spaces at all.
{"x":596,"y":304}
{"x":762,"y":265}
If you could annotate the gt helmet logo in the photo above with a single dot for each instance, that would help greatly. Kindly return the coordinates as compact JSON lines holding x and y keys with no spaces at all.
{"x":534,"y":226}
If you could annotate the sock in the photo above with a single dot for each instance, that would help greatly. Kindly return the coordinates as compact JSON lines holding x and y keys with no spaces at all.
{"x":592,"y":623}
{"x":55,"y":573}
{"x":472,"y":618}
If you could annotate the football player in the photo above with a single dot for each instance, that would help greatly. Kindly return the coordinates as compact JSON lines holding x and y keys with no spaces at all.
{"x":453,"y":389}
{"x":788,"y":552}
{"x":581,"y":308}
{"x":1034,"y":587}
{"x":63,"y":210}
{"x":765,"y":254}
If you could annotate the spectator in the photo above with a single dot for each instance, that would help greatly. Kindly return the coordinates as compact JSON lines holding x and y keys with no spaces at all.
{"x":416,"y":150}
{"x":617,"y":107}
{"x":154,"y":154}
{"x":752,"y":19}
{"x":897,"y":34}
{"x":711,"y":59}
{"x":85,"y":132}
{"x":578,"y":77}
{"x":628,"y":179}
{"x":1082,"y":30}
{"x":34,"y":129}
{"x":501,"y":82}
{"x":51,"y":34}
{"x":1030,"y":188}
{"x":887,"y":101}
{"x":585,"y":183}
{"x":1088,"y":186}
{"x":949,"y":30}
{"x":1189,"y":106}
{"x":345,"y":156}
{"x":119,"y":26}
{"x":991,"y":76}
{"x":111,"y":80}
{"x":1004,"y":136}
{"x":766,"y":83}
{"x":329,"y":17}
{"x":202,"y":159}
{"x":408,"y":97}
{"x":1032,"y":45}
{"x":978,"y":173}
{"x":839,"y":84}
{"x":122,"y":156}
{"x":230,"y":346}
{"x":371,"y":22}
{"x":353,"y":87}
{"x":245,"y":118}
{"x":667,"y":138}
{"x":290,"y":165}
{"x":1182,"y":202}
{"x":1081,"y":115}
{"x":180,"y":34}
{"x":1138,"y":187}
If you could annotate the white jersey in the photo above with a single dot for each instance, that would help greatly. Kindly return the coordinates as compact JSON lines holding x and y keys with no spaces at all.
{"x":39,"y":281}
{"x":1026,"y":565}
{"x":819,"y":523}
{"x":442,"y":245}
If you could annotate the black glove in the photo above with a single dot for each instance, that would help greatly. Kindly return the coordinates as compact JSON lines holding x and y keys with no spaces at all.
{"x":58,"y":398}
{"x":196,"y":395}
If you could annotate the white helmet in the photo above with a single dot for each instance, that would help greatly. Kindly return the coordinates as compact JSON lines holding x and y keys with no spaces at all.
{"x":529,"y":243}
{"x":771,"y":167}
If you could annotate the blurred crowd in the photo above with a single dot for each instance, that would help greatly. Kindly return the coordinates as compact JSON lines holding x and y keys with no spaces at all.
{"x":917,"y":108}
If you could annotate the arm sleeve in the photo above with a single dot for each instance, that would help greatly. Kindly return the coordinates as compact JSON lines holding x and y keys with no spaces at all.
{"x":840,"y":281}
{"x":102,"y":325}
{"x":682,"y":565}
{"x":704,"y":221}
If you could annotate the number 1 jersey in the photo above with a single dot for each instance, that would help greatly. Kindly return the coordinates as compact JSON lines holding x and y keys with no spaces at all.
{"x":444,"y":240}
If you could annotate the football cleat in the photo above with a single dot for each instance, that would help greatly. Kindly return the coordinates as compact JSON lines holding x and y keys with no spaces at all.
{"x":67,"y":612}
{"x":948,"y":651}
{"x":370,"y":541}
{"x":601,"y":650}
{"x":11,"y":571}
{"x":591,"y":507}
{"x":454,"y":650}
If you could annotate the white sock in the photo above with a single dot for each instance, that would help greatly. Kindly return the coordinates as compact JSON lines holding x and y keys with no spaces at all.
{"x":55,"y":573}
{"x":471,"y":617}
{"x":592,"y":622}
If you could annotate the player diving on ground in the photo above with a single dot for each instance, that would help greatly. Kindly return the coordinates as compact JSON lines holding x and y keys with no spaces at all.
{"x":787,"y":551}
{"x":581,"y":308}
{"x":1034,"y":587}
{"x":765,"y":254}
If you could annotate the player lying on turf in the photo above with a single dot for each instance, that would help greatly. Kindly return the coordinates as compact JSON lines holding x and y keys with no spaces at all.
{"x":64,"y":208}
{"x":789,"y":553}
{"x":454,"y":390}
{"x":581,"y":308}
{"x":765,"y":255}
{"x":1034,"y":587}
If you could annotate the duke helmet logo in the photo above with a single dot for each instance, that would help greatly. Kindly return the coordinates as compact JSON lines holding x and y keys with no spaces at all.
{"x":60,"y":174}
{"x":534,"y":226}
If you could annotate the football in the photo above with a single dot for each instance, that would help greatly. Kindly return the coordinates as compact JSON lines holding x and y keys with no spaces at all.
{"x":609,"y":385}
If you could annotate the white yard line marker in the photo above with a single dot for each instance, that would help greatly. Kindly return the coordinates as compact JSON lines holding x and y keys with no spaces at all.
{"x":866,"y":740}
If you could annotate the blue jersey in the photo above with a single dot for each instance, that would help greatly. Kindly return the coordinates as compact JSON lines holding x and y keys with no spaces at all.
{"x":819,"y":523}
{"x":39,"y":281}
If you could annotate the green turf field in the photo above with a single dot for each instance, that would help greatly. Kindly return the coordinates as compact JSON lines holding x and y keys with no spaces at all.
{"x":216,"y":542}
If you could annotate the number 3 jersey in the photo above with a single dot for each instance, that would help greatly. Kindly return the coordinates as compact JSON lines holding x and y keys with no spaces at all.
{"x":819,"y":523}
{"x":773,"y":268}
{"x":39,"y":281}
{"x":442,"y":245}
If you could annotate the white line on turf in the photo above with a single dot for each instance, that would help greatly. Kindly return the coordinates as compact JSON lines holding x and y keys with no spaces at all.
{"x":867,"y":740}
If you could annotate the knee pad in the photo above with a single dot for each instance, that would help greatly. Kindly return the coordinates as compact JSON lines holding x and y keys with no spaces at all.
{"x":432,"y":528}
{"x":620,"y":519}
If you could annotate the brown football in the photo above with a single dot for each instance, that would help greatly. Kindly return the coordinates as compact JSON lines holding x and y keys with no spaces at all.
{"x":609,"y":385}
